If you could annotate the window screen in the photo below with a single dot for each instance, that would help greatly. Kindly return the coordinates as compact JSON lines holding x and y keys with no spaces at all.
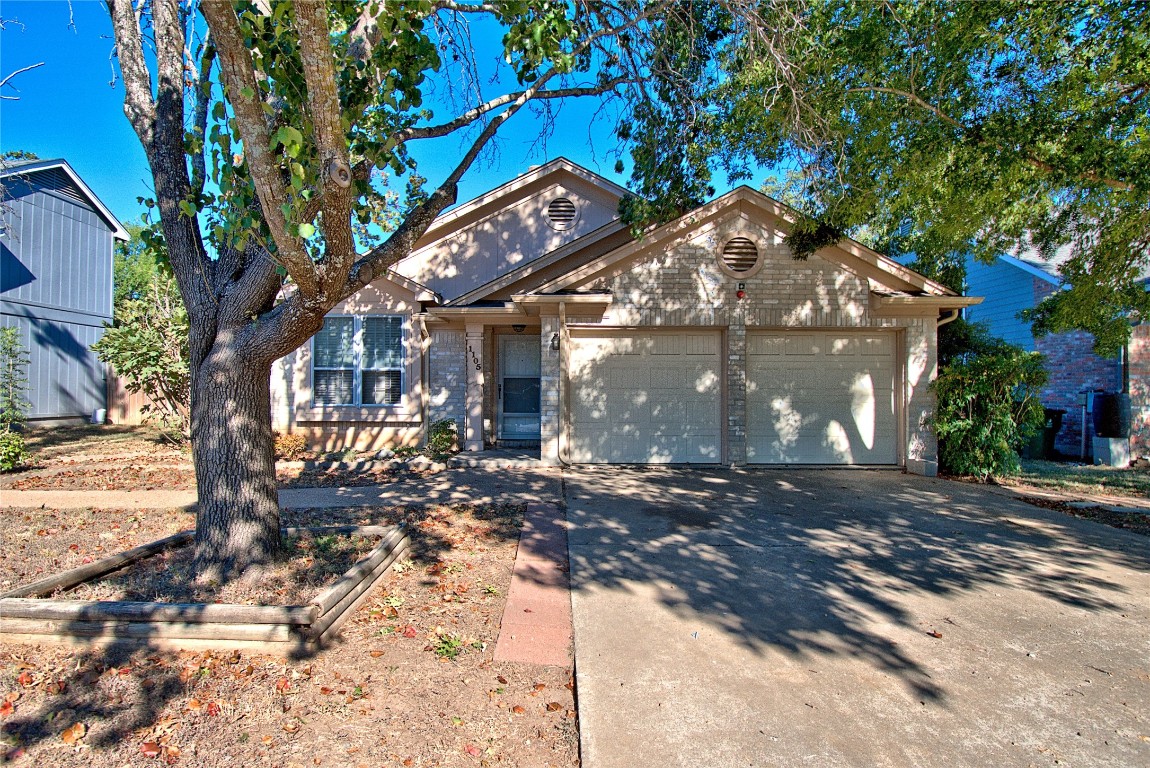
{"x":358,"y":361}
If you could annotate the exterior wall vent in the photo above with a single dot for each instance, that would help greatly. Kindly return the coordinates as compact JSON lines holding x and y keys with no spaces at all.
{"x":740,"y":257}
{"x":561,"y":214}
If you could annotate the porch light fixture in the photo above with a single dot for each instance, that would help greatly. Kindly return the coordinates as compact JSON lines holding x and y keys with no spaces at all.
{"x":518,"y":328}
{"x":555,"y":341}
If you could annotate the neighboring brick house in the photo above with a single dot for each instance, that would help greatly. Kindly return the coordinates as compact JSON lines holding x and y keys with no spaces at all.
{"x":531,"y":316}
{"x":1014,"y":283}
{"x":56,"y":241}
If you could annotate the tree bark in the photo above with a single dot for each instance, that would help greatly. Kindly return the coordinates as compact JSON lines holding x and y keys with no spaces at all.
{"x":238,"y":522}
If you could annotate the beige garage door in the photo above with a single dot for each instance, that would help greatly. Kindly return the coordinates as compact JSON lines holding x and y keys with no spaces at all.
{"x":645,"y":398}
{"x":821,"y":398}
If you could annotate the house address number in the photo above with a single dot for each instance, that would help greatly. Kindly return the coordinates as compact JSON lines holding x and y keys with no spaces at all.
{"x":474,"y":358}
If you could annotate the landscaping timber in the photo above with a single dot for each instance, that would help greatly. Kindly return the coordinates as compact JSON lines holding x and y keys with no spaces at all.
{"x":27,"y":618}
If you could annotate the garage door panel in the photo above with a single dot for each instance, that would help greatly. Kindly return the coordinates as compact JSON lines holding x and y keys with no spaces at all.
{"x":660,"y":394}
{"x":825,"y":399}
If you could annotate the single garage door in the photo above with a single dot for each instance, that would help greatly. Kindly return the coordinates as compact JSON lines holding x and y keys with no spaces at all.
{"x":645,"y":398}
{"x":821,"y":398}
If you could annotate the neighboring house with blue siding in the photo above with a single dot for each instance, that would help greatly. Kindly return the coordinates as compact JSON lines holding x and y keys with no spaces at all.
{"x":56,"y":242}
{"x":1013,"y":283}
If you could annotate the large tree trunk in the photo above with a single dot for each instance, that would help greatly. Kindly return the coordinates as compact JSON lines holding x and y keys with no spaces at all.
{"x":238,"y":524}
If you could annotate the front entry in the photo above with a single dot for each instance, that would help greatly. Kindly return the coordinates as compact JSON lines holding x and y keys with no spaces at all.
{"x":518,"y":388}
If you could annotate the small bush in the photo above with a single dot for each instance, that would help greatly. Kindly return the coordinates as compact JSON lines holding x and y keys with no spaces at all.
{"x":442,"y":438}
{"x":13,"y":452}
{"x":987,"y":408}
{"x":289,"y":447}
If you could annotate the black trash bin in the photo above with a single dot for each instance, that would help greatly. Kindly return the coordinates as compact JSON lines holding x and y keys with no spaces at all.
{"x":1050,"y":432}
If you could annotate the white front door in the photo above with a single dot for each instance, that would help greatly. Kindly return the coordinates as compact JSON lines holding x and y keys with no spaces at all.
{"x":519,"y":387}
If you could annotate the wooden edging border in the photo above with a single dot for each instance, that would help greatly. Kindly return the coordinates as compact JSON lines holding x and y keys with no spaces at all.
{"x":23,"y":617}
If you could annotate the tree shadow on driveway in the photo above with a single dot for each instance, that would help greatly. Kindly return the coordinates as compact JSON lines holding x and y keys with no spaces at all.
{"x":835,"y":563}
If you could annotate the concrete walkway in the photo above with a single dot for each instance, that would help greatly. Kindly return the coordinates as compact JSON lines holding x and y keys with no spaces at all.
{"x":850,"y":618}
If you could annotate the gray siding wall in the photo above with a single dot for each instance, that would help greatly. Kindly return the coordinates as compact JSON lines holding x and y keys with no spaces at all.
{"x":56,"y":287}
{"x":1006,"y":291}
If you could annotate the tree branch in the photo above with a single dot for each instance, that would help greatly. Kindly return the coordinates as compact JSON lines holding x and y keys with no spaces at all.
{"x":138,"y":104}
{"x":471,"y":115}
{"x":4,"y":82}
{"x":331,"y":144}
{"x":1040,"y":164}
{"x":238,"y":72}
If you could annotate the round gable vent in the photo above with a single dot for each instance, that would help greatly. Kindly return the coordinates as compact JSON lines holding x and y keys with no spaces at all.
{"x":740,"y":256}
{"x":561,"y":214}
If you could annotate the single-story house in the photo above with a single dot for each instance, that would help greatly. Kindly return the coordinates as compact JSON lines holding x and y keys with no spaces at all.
{"x":530,"y":316}
{"x":56,"y":242}
{"x":1016,"y":282}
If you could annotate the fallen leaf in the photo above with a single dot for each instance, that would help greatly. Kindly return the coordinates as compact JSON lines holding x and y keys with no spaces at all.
{"x":150,"y":749}
{"x":291,"y":726}
{"x":194,"y":705}
{"x":171,"y":754}
{"x":323,"y":689}
{"x":502,"y":679}
{"x":409,"y":631}
{"x":473,"y":750}
{"x":283,"y":685}
{"x":73,"y":733}
{"x":376,"y":654}
{"x":540,"y":686}
{"x":518,"y":709}
{"x":56,"y":687}
{"x":266,"y":739}
{"x":935,"y":633}
{"x":12,"y":696}
{"x":6,"y":709}
{"x":26,"y":679}
{"x":213,"y":709}
{"x":554,"y":706}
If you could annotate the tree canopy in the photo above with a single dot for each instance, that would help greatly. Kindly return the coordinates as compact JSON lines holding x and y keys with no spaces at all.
{"x":983,"y":128}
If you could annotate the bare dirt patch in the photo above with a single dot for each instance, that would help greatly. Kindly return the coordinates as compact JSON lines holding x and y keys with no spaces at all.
{"x":412,"y":681}
{"x":114,"y":458}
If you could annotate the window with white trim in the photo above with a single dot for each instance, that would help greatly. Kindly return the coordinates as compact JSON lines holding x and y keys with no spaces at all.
{"x":358,"y":360}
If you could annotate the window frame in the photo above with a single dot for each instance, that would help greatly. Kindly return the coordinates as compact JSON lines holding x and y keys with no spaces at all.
{"x":357,"y":367}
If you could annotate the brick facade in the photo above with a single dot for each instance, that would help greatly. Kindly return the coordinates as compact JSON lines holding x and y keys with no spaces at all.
{"x":1074,"y":368}
{"x":448,"y":378}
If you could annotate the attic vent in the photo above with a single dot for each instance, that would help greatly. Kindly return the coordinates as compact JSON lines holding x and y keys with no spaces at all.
{"x":561,"y":214}
{"x":740,"y":256}
{"x":58,"y":181}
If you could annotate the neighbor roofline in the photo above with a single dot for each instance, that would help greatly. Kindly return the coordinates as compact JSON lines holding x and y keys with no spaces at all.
{"x":118,"y":231}
{"x":1038,"y":272}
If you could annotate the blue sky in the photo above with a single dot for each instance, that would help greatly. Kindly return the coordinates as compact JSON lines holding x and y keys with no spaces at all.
{"x":70,"y":108}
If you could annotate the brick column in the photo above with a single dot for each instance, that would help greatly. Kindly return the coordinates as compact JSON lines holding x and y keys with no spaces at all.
{"x":737,"y":391}
{"x":473,"y":407}
{"x":921,"y":358}
{"x":549,"y":378}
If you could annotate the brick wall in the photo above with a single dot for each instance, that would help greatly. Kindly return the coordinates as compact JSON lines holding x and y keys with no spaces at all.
{"x":448,"y":377}
{"x":1073,"y":368}
{"x":1140,"y":390}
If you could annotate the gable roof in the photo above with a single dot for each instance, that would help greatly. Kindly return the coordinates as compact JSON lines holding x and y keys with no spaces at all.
{"x":60,"y":166}
{"x":850,"y":253}
{"x":460,"y":216}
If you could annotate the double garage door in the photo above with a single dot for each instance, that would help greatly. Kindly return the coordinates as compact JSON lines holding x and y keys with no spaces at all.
{"x":656,"y":397}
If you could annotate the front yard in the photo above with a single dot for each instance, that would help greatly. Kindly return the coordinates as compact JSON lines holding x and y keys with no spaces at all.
{"x":411,"y":682}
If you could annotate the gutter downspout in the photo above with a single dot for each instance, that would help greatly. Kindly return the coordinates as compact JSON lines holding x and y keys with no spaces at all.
{"x":950,"y":316}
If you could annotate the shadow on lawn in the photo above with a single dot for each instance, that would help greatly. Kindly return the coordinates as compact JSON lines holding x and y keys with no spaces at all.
{"x":121,"y":691}
{"x":810,"y":563}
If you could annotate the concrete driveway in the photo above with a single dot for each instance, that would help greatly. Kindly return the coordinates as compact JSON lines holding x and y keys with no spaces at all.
{"x":862,"y":618}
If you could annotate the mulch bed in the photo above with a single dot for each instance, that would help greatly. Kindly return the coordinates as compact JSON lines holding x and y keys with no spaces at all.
{"x":412,"y":681}
{"x":1134,"y":522}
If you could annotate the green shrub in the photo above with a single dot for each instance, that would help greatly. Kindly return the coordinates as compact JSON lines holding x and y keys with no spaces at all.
{"x":13,"y":452}
{"x":987,"y":408}
{"x":442,"y":438}
{"x":289,"y":447}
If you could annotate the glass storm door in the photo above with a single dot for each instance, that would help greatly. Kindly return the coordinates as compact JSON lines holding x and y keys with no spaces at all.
{"x":519,"y":387}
